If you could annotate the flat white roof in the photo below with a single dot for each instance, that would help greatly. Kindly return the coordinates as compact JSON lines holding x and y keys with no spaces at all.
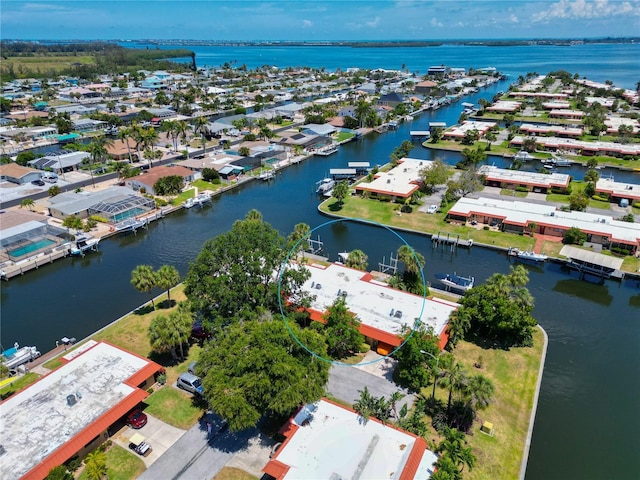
{"x":517,"y":176}
{"x":37,"y":421}
{"x":522,"y":213}
{"x":630,"y":191}
{"x":467,"y":125}
{"x":401,"y":180}
{"x":505,"y":106}
{"x":572,"y":144}
{"x":373,"y":301}
{"x":337,"y":444}
{"x":607,"y":261}
{"x":557,"y":129}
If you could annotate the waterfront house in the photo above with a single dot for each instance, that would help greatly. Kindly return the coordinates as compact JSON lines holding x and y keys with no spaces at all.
{"x":328,"y":440}
{"x":580,"y":147}
{"x":71,"y":411}
{"x":520,"y":217}
{"x":119,"y":151}
{"x":458,"y":132}
{"x":397,"y":184}
{"x":532,"y":181}
{"x":425,"y":87}
{"x":504,"y":106}
{"x":618,"y":191}
{"x":24,"y":234}
{"x":392,"y":100}
{"x":382,"y":312}
{"x":60,"y":161}
{"x":148,"y":179}
{"x":562,"y":131}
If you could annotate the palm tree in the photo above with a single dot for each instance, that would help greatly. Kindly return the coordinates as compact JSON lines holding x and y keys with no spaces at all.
{"x":27,"y":202}
{"x":458,"y":326}
{"x":393,"y":400}
{"x":479,"y":392}
{"x":300,"y":231}
{"x":490,"y":137}
{"x":98,"y":151}
{"x":357,"y":259}
{"x":413,"y":261}
{"x":96,"y":465}
{"x":455,"y":379}
{"x":167,"y":277}
{"x":167,"y":333}
{"x":124,"y":134}
{"x":149,"y":138}
{"x":143,"y":279}
{"x":182,"y":130}
{"x":363,"y":406}
{"x":201,"y":129}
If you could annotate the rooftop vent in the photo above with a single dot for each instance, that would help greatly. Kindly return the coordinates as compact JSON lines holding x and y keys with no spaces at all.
{"x":318,"y":286}
{"x":71,"y":400}
{"x":398,"y":314}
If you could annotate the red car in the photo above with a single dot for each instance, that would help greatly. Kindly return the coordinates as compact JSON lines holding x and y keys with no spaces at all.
{"x":136,"y":419}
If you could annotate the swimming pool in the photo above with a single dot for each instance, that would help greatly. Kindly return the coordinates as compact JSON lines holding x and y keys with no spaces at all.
{"x":118,"y":217}
{"x":30,"y":247}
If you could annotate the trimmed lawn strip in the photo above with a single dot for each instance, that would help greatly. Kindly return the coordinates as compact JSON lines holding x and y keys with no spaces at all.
{"x":173,"y":406}
{"x":121,"y":465}
{"x":231,"y":473}
{"x":18,"y":384}
{"x":514,"y":373}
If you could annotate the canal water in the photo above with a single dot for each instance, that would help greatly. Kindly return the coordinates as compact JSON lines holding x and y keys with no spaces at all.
{"x":587,"y":419}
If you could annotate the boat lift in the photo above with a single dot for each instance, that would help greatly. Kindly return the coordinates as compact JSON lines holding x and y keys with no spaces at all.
{"x":391,"y":267}
{"x":315,"y":246}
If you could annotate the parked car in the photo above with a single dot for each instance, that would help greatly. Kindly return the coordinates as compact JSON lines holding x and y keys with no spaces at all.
{"x":432,"y":209}
{"x":138,"y":444}
{"x":198,"y":331}
{"x":38,"y":182}
{"x":191,"y":383}
{"x":136,"y":419}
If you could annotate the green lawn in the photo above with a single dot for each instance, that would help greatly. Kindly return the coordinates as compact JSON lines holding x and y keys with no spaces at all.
{"x":512,"y":193}
{"x":179,"y":200}
{"x":18,"y":384}
{"x":121,"y":465}
{"x":514,"y":374}
{"x":341,"y":136}
{"x":173,"y":406}
{"x":231,"y":473}
{"x":202,"y":185}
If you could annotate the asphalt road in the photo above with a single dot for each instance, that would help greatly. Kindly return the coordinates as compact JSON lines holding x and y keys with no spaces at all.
{"x":194,"y":457}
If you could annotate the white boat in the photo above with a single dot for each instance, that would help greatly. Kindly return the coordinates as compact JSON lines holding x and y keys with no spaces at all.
{"x":528,"y":255}
{"x":130,"y":224}
{"x":326,"y":151}
{"x":559,"y":161}
{"x":267,"y":175}
{"x":325,"y":185}
{"x":523,"y":156}
{"x":188,"y":203}
{"x":16,"y":356}
{"x":456,"y":282}
{"x":84,"y":243}
{"x":201,"y":199}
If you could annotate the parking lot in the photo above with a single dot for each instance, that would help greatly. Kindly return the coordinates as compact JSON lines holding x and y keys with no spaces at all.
{"x":161,"y":436}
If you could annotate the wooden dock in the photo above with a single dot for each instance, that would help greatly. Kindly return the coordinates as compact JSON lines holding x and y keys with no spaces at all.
{"x":450,"y":240}
{"x":19,"y":268}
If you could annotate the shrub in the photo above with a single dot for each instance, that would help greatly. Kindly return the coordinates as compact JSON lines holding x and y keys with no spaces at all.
{"x":364,"y":348}
{"x":161,"y":202}
{"x":162,"y":379}
{"x":574,"y":236}
{"x":406,"y":209}
{"x":522,"y":189}
{"x":98,"y":218}
{"x":143,"y":190}
{"x":73,"y":463}
{"x":486,"y":227}
{"x":150,"y":390}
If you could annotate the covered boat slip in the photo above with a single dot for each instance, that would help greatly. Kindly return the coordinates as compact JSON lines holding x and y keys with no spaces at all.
{"x":591,"y":262}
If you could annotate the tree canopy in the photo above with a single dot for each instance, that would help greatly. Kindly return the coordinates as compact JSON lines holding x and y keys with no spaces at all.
{"x":236,"y":271}
{"x":500,"y":309}
{"x":255,"y":368}
{"x":341,"y":330}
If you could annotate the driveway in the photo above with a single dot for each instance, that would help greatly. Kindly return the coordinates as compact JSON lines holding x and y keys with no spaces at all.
{"x":194,"y":457}
{"x":161,"y":436}
{"x":346,"y":381}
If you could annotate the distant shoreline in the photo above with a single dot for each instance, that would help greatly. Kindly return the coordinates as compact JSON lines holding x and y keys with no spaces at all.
{"x":356,"y":43}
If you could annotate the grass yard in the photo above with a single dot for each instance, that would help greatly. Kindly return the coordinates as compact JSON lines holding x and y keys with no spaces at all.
{"x":179,"y":200}
{"x":386,"y":213}
{"x":231,"y":473}
{"x":121,"y":465}
{"x":513,"y":193}
{"x":514,"y":373}
{"x":202,"y":185}
{"x":342,"y":136}
{"x":18,"y":384}
{"x":174,"y":406}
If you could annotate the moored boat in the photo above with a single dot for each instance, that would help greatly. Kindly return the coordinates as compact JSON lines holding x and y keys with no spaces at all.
{"x":83,"y":243}
{"x":528,"y":255}
{"x":325,"y":185}
{"x":455,"y":281}
{"x":16,"y":356}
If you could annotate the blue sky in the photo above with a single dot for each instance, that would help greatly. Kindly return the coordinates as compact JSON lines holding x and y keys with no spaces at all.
{"x":318,"y":20}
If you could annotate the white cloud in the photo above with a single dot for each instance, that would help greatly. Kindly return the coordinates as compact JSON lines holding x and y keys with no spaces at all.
{"x":307,"y":23}
{"x":373,"y":23}
{"x":586,"y":9}
{"x":513,"y":18}
{"x":435,"y":23}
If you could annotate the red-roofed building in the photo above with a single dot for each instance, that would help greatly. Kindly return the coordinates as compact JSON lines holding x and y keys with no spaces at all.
{"x":70,"y":411}
{"x":149,"y":178}
{"x":327,"y":440}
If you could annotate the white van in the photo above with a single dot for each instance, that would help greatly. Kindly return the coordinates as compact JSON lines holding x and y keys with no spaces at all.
{"x":50,"y":177}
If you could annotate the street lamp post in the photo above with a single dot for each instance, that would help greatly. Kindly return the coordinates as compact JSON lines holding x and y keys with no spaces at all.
{"x":435,"y":373}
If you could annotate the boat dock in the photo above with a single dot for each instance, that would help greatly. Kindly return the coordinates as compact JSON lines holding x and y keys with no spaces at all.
{"x":451,"y":240}
{"x":13,"y":269}
{"x":593,"y":263}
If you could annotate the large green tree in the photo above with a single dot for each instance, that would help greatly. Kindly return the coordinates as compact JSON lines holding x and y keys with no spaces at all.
{"x":415,"y":368}
{"x":341,"y":330}
{"x":256,"y":368}
{"x":435,"y":174}
{"x":236,"y":271}
{"x":500,"y":309}
{"x":340,"y":191}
